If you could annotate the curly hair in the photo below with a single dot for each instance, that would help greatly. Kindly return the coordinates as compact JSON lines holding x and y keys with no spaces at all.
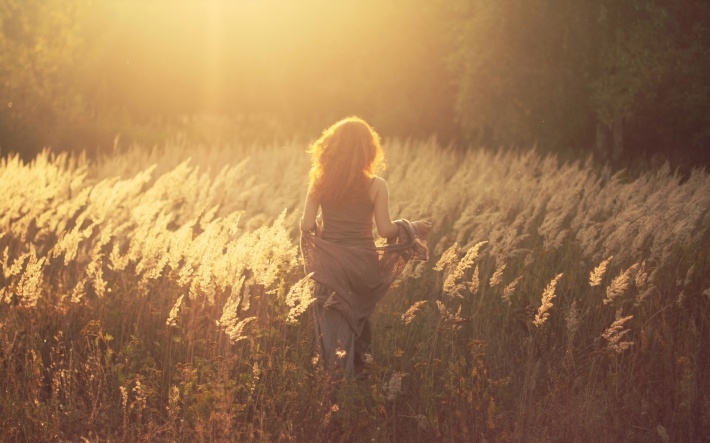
{"x":344,"y":159}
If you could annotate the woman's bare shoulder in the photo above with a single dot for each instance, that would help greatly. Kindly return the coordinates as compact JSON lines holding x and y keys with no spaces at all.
{"x":378,"y":185}
{"x":378,"y":181}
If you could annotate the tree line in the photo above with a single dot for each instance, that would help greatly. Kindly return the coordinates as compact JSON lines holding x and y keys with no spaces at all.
{"x":621,"y":78}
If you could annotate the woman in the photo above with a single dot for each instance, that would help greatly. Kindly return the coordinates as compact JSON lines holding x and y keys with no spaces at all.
{"x":338,"y":247}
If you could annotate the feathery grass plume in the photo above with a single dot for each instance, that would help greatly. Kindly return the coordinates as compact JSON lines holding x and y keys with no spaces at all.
{"x":255,"y":376}
{"x":510,"y":290}
{"x":174,"y":312}
{"x":449,"y":257}
{"x":475,"y":281}
{"x":394,"y":387}
{"x":266,"y":251}
{"x":497,"y":277}
{"x":614,"y":334}
{"x":663,"y":434}
{"x":94,"y":272}
{"x":641,"y":276}
{"x":452,"y":283}
{"x":642,"y":296}
{"x":449,"y":320}
{"x":417,"y":270}
{"x":620,"y":284}
{"x":117,"y":261}
{"x":547,"y":297}
{"x":299,"y":298}
{"x":230,"y":311}
{"x":30,"y":285}
{"x":706,"y":292}
{"x":689,"y":275}
{"x":409,"y":315}
{"x":173,"y":407}
{"x":235,"y":332}
{"x":681,"y":298}
{"x":572,"y":319}
{"x":124,"y":405}
{"x":140,"y":397}
{"x":79,"y":291}
{"x":451,"y":287}
{"x":68,"y":243}
{"x":5,"y":260}
{"x":17,"y":265}
{"x":595,"y":277}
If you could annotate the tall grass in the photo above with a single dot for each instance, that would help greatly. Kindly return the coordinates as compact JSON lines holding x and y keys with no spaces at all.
{"x":148,"y":296}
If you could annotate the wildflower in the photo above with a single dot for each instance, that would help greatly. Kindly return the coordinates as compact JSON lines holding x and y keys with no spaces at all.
{"x":173,"y":406}
{"x":547,"y":297}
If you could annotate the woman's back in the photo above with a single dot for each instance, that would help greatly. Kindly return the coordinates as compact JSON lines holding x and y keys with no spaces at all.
{"x":348,"y":222}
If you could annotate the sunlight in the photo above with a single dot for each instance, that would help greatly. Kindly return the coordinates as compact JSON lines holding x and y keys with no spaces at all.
{"x":214,"y":53}
{"x":224,"y":57}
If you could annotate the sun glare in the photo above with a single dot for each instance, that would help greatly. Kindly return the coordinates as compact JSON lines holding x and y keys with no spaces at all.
{"x":221,"y":56}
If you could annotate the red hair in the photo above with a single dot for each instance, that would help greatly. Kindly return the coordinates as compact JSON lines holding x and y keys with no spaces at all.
{"x":344,"y":159}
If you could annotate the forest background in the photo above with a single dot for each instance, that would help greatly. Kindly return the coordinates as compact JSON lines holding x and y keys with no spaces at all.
{"x":625,"y":79}
{"x":152,"y":167}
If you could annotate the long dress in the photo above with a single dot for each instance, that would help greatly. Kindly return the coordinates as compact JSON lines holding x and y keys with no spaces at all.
{"x":351,"y":276}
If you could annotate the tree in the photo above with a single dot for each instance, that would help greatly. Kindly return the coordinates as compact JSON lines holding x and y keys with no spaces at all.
{"x":38,"y":46}
{"x":521,"y":77}
{"x":576,"y":74}
{"x":632,"y":61}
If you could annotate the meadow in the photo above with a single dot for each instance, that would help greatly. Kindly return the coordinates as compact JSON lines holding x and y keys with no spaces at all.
{"x":157,"y":294}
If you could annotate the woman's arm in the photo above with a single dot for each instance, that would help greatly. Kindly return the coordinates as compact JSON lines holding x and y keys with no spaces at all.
{"x":380,"y":197}
{"x":310,"y":211}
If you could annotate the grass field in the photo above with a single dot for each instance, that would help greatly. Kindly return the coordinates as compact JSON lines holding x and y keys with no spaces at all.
{"x":146,"y":296}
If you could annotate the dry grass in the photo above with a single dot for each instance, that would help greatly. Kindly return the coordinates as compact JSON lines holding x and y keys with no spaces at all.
{"x":149,"y":297}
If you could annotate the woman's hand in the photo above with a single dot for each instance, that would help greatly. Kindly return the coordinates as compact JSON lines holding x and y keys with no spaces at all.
{"x":423,"y":227}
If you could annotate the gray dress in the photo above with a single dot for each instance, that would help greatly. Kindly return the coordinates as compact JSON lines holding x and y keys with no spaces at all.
{"x":351,"y":275}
